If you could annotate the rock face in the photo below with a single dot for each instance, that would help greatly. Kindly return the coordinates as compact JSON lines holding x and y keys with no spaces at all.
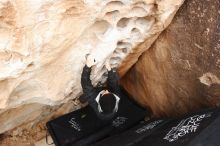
{"x":44,"y":43}
{"x":181,"y":71}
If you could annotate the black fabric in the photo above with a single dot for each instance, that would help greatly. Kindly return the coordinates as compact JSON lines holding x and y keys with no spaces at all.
{"x":83,"y":127}
{"x":195,"y":129}
{"x":209,"y":137}
{"x":107,"y":103}
{"x":88,"y":89}
{"x":112,"y":82}
{"x":133,"y":135}
{"x":182,"y":131}
{"x":74,"y":126}
{"x":90,"y":92}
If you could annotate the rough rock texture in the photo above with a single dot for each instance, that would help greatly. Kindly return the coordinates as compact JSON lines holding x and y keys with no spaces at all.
{"x":44,"y":43}
{"x":33,"y":132}
{"x":181,"y":71}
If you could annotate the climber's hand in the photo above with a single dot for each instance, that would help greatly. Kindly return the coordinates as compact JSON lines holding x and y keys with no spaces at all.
{"x":90,"y":60}
{"x":107,"y":65}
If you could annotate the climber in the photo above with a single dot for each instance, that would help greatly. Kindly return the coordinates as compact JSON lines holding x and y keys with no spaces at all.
{"x":104,"y":101}
{"x":109,"y":112}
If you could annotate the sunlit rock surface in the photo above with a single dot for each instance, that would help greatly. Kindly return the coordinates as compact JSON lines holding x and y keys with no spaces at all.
{"x":181,"y":71}
{"x":43,"y":44}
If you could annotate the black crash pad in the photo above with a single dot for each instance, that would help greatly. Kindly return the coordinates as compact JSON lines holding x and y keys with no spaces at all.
{"x":196,"y":129}
{"x":133,"y":135}
{"x":82,"y":127}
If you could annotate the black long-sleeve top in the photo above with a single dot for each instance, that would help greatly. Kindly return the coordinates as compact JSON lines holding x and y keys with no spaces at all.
{"x":88,"y":89}
{"x":90,"y":93}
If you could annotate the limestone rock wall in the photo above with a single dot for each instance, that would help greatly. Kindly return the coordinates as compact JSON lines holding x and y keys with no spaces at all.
{"x":43,"y":44}
{"x":181,"y":71}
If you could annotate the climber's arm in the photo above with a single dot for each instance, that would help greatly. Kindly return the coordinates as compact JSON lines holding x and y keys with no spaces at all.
{"x":86,"y":84}
{"x":88,"y":89}
{"x":113,"y":78}
{"x":112,"y":81}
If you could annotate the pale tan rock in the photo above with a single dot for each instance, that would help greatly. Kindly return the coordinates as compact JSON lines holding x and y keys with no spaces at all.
{"x":209,"y":79}
{"x":43,"y":44}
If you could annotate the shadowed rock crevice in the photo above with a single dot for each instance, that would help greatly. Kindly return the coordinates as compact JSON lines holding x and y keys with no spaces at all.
{"x":180,"y":72}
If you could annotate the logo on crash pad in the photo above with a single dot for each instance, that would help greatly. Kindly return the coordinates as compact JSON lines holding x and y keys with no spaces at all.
{"x":119,"y":121}
{"x":148,"y":126}
{"x":74,"y":124}
{"x":186,"y":126}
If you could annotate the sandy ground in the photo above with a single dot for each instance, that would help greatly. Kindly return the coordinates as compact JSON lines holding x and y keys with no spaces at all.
{"x":26,"y":139}
{"x":43,"y":142}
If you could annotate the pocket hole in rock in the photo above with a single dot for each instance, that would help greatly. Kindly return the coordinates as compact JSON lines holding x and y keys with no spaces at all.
{"x":135,"y":34}
{"x":121,"y":50}
{"x":71,"y":11}
{"x":140,"y":3}
{"x":115,"y":60}
{"x":114,"y":4}
{"x":135,"y":31}
{"x":124,"y":50}
{"x":119,"y":54}
{"x":138,"y":11}
{"x":151,"y":7}
{"x":155,"y":7}
{"x":123,"y":22}
{"x":30,"y":65}
{"x":122,"y":45}
{"x":100,"y":27}
{"x":144,"y":23}
{"x":112,"y":13}
{"x":105,"y":74}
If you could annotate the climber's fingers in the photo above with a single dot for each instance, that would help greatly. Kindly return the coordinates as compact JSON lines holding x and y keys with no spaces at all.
{"x":107,"y":65}
{"x":90,"y":60}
